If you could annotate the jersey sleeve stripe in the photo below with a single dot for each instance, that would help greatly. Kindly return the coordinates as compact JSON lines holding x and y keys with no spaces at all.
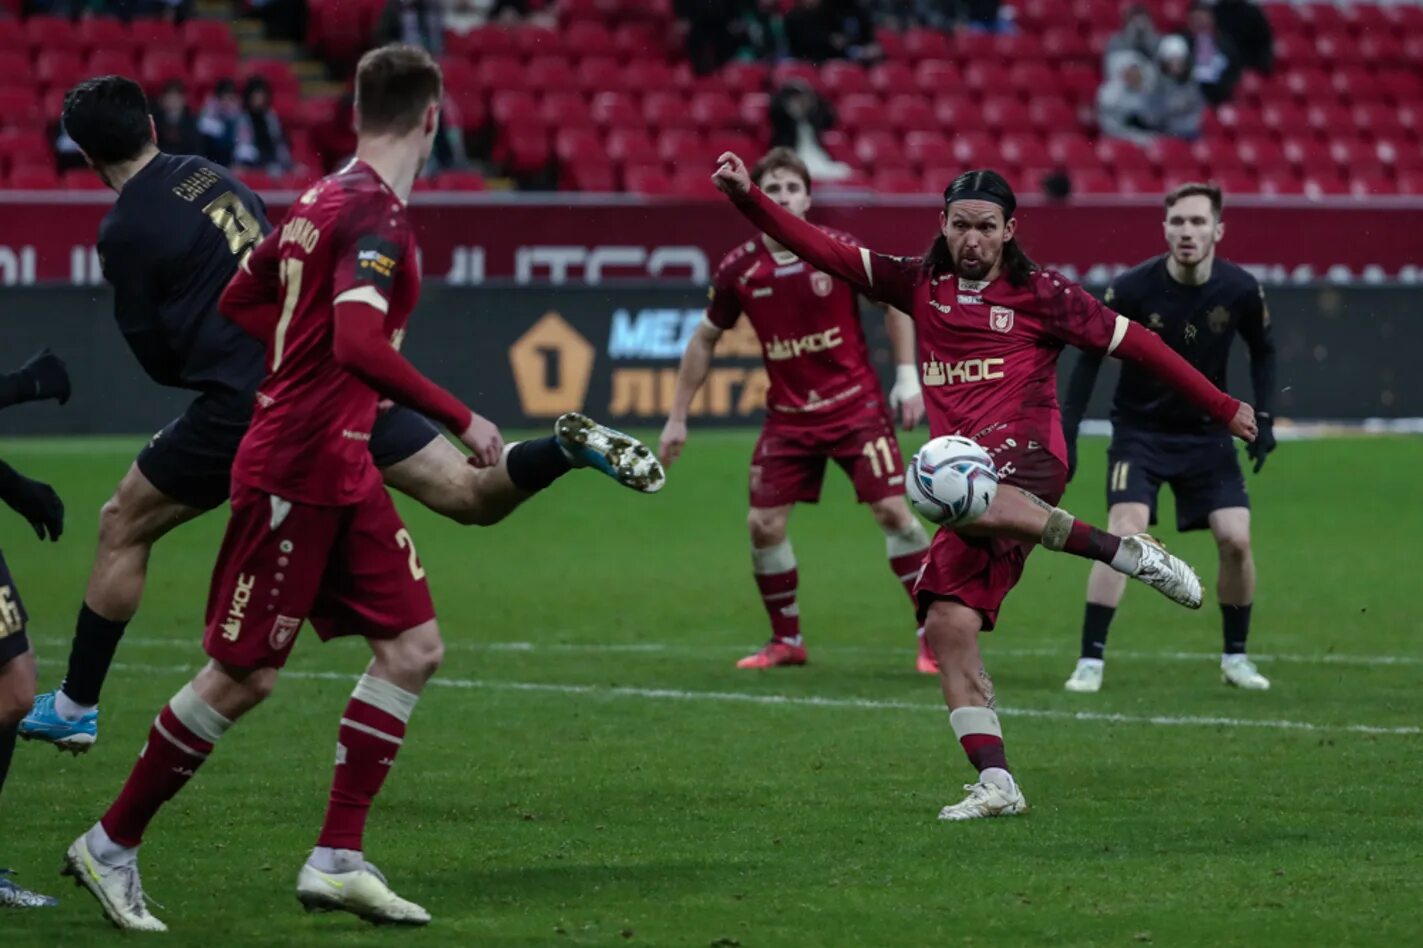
{"x":365,"y":294}
{"x":1119,"y":332}
{"x":865,"y":259}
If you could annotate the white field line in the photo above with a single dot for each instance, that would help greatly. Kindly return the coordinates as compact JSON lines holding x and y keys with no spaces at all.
{"x":872,"y":704}
{"x":691,"y":648}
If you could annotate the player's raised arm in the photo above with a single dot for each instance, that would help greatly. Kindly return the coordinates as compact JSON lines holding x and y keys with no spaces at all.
{"x":1255,"y":330}
{"x":44,"y":375}
{"x":1084,"y":322}
{"x":907,"y":396}
{"x":868,"y":272}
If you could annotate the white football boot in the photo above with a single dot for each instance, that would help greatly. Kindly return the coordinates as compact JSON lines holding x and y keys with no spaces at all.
{"x":1087,"y":676}
{"x":362,"y":892}
{"x":620,"y":456}
{"x":1240,"y":671}
{"x":1167,"y":574}
{"x":987,"y":798}
{"x":118,"y":888}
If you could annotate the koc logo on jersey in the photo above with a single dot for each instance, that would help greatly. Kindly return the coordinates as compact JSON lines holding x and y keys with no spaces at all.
{"x":778,"y":350}
{"x":969,"y":370}
{"x":237,"y":611}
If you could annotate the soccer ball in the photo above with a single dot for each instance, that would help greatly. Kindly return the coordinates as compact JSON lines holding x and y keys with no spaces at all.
{"x":952,"y":481}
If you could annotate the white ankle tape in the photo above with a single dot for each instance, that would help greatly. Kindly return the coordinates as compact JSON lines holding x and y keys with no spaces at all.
{"x":911,"y":539}
{"x":383,"y":696}
{"x":197,"y":715}
{"x":1059,"y":525}
{"x":773,"y":559}
{"x":975,"y":720}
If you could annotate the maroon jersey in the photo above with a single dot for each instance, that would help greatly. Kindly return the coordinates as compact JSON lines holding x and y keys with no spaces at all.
{"x":347,"y":239}
{"x":808,"y":323}
{"x":988,"y":351}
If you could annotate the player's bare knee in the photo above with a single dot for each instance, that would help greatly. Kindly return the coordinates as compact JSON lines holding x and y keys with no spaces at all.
{"x":16,"y":699}
{"x":415,"y":655}
{"x":768,"y":528}
{"x":1234,"y":547}
{"x":949,"y":633}
{"x":892,"y":513}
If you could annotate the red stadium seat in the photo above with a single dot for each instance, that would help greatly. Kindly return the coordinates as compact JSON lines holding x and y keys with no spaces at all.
{"x":1170,"y":153}
{"x":1092,"y":181}
{"x":560,"y":110}
{"x":1372,"y":185}
{"x":714,"y":110}
{"x":19,"y":108}
{"x":1407,"y":182}
{"x":898,"y":181}
{"x":51,"y":34}
{"x":616,"y":110}
{"x":1024,"y":149}
{"x":936,"y":75}
{"x":975,"y":149}
{"x":111,"y":62}
{"x":926,"y":149}
{"x":589,"y":38}
{"x":1355,"y":157}
{"x":754,"y":109}
{"x":277,"y":72}
{"x":591,"y":174}
{"x":1381,"y":121}
{"x":208,"y":37}
{"x":649,"y":76}
{"x":1006,"y":114}
{"x":742,"y":144}
{"x":680,"y":147}
{"x":1216,"y":157}
{"x":459,"y":73}
{"x":1283,"y":119}
{"x":838,"y":145}
{"x":33,"y":178}
{"x":909,"y":113}
{"x":483,"y":42}
{"x":159,"y":66}
{"x":786,"y":71}
{"x":514,"y":106}
{"x":860,"y":113}
{"x":891,"y":42}
{"x":577,"y":144}
{"x":1078,"y":82}
{"x":1383,"y":50}
{"x":893,"y":78}
{"x":25,"y":146}
{"x":81,"y":179}
{"x":1261,"y":154}
{"x":744,"y":77}
{"x":1231,"y":182}
{"x":1139,"y":182}
{"x":208,"y":68}
{"x":523,"y":149}
{"x":840,"y":78}
{"x":667,"y":110}
{"x":1328,"y":118}
{"x":879,"y":151}
{"x":651,"y":180}
{"x":1031,"y":78}
{"x":14,"y":41}
{"x":461,"y":181}
{"x":641,"y":41}
{"x":153,"y":33}
{"x":498,"y":73}
{"x":103,"y":32}
{"x":1325,"y":185}
{"x":537,"y":41}
{"x":1051,"y":114}
{"x":1249,"y":123}
{"x":1403,"y":156}
{"x":599,"y":74}
{"x":58,"y":67}
{"x":1402,"y":86}
{"x":1065,"y":44}
{"x":1357,"y":85}
{"x":631,"y":146}
{"x":550,"y":74}
{"x":920,"y":44}
{"x":1123,"y":156}
{"x":694,"y":186}
{"x":987,"y":77}
{"x":1071,"y":149}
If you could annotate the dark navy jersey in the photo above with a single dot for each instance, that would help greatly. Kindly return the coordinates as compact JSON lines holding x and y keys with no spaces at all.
{"x":169,"y":246}
{"x":1200,"y":323}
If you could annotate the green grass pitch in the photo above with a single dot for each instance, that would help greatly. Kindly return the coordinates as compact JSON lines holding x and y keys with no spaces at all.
{"x":589,"y":768}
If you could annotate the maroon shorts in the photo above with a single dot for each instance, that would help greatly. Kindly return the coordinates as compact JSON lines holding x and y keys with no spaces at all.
{"x":979,"y":571}
{"x":351,"y":570}
{"x":788,"y":465}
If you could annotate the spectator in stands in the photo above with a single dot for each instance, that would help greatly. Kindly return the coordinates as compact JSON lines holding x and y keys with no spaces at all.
{"x":987,"y":15}
{"x":798,"y":115}
{"x":1175,"y":105}
{"x":261,"y":142}
{"x":900,"y":15}
{"x":417,"y":22}
{"x":218,"y":122}
{"x":712,"y":27}
{"x":1137,"y":35}
{"x":461,"y":16}
{"x":447,"y":152}
{"x":1217,"y":64}
{"x":819,"y":30}
{"x":1242,"y":22}
{"x":175,"y":123}
{"x":1124,"y":100}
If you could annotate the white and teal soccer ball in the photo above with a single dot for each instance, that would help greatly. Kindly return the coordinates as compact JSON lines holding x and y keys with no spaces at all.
{"x":952,"y":481}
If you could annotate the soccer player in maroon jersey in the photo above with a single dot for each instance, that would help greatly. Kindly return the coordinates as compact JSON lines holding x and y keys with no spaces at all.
{"x":990,"y":326}
{"x":824,"y":403}
{"x":313,"y":532}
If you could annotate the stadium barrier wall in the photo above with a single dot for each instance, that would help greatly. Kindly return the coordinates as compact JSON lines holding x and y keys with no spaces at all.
{"x":588,"y":239}
{"x":522,"y":355}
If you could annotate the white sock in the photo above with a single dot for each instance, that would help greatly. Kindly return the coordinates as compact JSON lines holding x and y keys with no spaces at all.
{"x":67,"y":708}
{"x":104,"y":849}
{"x":1000,"y":778}
{"x":1128,"y":559}
{"x":326,"y":859}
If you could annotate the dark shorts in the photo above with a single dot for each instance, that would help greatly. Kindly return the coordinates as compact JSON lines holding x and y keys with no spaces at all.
{"x":351,"y":570}
{"x":1203,"y":472}
{"x":979,"y":571}
{"x":788,"y":465}
{"x":191,"y":459}
{"x":13,"y":641}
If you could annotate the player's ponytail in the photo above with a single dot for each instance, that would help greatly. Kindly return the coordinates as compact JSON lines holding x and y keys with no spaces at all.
{"x":1017,"y":265}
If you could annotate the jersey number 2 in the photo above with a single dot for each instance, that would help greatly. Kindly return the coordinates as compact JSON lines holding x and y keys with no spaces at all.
{"x":404,"y":540}
{"x":229,"y":215}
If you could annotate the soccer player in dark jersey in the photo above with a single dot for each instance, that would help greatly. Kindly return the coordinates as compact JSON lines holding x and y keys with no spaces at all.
{"x":990,"y":327}
{"x":174,"y":238}
{"x":314,"y":533}
{"x":1197,"y":302}
{"x":43,"y":377}
{"x":824,"y":403}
